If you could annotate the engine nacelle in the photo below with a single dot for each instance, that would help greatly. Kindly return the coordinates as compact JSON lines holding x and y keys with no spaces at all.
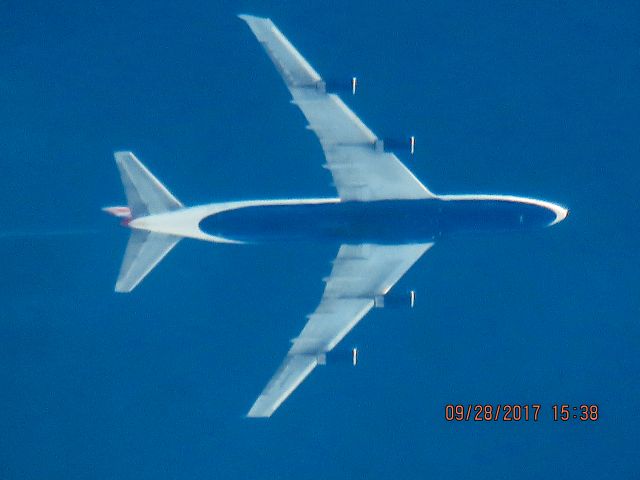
{"x":396,"y":300}
{"x":405,"y":144}
{"x":339,"y":356}
{"x":350,"y":85}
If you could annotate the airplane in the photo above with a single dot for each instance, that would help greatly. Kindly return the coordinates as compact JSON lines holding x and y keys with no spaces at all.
{"x":384,"y":218}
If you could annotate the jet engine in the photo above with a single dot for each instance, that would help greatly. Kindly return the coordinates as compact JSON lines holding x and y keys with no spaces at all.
{"x":340,"y":356}
{"x":396,"y":300}
{"x":334,"y":86}
{"x":405,"y":144}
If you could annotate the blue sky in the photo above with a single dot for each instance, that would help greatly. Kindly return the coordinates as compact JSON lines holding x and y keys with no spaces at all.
{"x":536,"y":98}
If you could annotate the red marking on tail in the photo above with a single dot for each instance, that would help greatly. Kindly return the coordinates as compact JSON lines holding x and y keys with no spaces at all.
{"x":120,"y":212}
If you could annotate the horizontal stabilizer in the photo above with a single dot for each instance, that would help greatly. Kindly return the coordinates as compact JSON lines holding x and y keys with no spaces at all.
{"x":144,"y":252}
{"x":145,"y":194}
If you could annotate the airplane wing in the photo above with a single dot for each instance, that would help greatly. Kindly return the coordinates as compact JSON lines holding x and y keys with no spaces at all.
{"x":359,"y":274}
{"x":361,"y":169}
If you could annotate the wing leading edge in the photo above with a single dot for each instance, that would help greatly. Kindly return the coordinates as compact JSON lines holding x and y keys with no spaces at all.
{"x":359,"y":274}
{"x":361,"y":170}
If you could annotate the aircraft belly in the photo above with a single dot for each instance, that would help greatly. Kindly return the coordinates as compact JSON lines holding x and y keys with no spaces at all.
{"x":346,"y":222}
{"x":379,"y":222}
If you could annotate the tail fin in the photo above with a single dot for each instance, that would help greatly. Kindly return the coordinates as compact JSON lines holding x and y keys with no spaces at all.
{"x":145,"y":196}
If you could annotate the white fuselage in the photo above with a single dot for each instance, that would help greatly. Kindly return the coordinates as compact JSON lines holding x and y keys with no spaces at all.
{"x":186,"y":222}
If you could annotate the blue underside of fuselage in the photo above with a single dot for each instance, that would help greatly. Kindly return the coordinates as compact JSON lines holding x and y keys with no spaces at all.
{"x":383,"y":222}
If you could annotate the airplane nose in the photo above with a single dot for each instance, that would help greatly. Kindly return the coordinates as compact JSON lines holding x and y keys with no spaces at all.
{"x":561,"y":214}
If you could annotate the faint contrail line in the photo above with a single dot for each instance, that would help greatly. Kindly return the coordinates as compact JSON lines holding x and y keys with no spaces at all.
{"x":48,"y":233}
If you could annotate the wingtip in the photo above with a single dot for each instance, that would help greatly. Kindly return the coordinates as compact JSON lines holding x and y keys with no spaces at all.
{"x":257,"y":411}
{"x":248,"y":18}
{"x":124,"y":286}
{"x":255,"y":415}
{"x":120,"y":289}
{"x":122,"y":154}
